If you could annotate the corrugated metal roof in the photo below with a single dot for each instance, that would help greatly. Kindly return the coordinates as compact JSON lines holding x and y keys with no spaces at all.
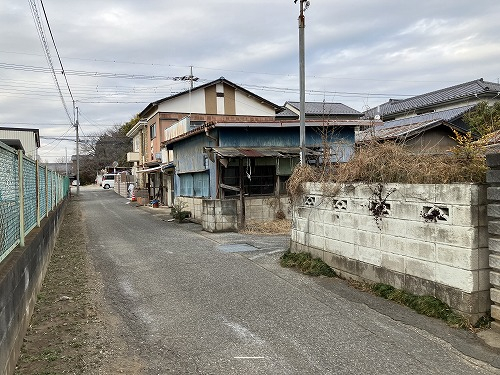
{"x":256,"y":152}
{"x":327,"y":109}
{"x":447,"y":115}
{"x":468,"y":89}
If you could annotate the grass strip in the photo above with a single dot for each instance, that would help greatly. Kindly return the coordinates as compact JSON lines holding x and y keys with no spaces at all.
{"x":306,"y":264}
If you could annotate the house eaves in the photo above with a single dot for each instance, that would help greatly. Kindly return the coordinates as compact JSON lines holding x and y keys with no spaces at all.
{"x":275,"y":124}
{"x":152,"y":105}
{"x":321,"y":109}
{"x":473,"y":90}
{"x":132,"y":132}
{"x":400,"y":132}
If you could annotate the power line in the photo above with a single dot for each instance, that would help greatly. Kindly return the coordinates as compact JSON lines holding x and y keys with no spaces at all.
{"x":57,"y":51}
{"x":41,"y":34}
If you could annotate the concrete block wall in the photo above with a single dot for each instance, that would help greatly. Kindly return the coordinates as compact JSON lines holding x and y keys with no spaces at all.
{"x":447,"y":257}
{"x":194,"y":205}
{"x":21,"y":276}
{"x":219,"y":215}
{"x":493,"y":179}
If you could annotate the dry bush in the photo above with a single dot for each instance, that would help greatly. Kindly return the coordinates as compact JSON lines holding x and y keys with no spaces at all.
{"x":282,"y":226}
{"x":391,"y":162}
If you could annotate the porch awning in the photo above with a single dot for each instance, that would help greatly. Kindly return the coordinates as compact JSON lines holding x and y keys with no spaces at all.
{"x":158,"y":168}
{"x":255,"y":152}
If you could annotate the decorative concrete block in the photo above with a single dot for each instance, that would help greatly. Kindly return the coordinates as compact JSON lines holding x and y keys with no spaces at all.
{"x":465,"y":216}
{"x":420,"y":193}
{"x":421,"y":231}
{"x":348,"y":235}
{"x":494,"y":227}
{"x":495,"y":278}
{"x":302,"y":224}
{"x":391,"y":226}
{"x":369,"y":255}
{"x":420,"y":268}
{"x":495,"y":312}
{"x":393,"y":262}
{"x":456,"y":194}
{"x":483,"y":236}
{"x":458,"y":236}
{"x":495,"y":295}
{"x":420,"y":250}
{"x":331,"y":231}
{"x":467,"y":281}
{"x":493,"y":193}
{"x":301,"y":237}
{"x":484,"y":279}
{"x":493,"y":160}
{"x":316,"y":241}
{"x":458,"y":257}
{"x":483,"y":258}
{"x":348,"y":220}
{"x":368,"y":239}
{"x":392,"y":244}
{"x":345,"y":249}
{"x":494,"y":210}
{"x":493,"y":176}
{"x":406,"y":210}
{"x":494,"y":244}
{"x":494,"y":261}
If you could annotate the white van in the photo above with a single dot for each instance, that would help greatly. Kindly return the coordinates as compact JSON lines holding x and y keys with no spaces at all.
{"x":108,"y":181}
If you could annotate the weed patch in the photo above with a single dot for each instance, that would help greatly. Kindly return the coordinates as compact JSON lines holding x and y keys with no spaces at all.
{"x":306,"y":264}
{"x":426,"y":305}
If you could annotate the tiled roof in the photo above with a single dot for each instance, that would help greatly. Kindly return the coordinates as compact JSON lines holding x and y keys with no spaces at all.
{"x":320,"y":108}
{"x":477,"y":89}
{"x":409,"y":126}
{"x":446,"y":115}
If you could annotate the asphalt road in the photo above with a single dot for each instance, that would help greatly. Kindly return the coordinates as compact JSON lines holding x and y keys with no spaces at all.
{"x":199,"y":303}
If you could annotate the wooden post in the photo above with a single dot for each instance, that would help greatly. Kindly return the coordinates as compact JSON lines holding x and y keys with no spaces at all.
{"x":21,"y":198}
{"x":241,"y":213}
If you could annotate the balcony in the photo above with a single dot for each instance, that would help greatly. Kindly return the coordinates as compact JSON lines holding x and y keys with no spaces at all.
{"x":133,"y":157}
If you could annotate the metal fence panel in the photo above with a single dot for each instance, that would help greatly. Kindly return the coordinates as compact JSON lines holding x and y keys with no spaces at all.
{"x":30,"y":194}
{"x":9,"y":201}
{"x":42,"y":188}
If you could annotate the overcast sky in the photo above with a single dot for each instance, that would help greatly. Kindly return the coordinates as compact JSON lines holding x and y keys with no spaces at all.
{"x":360,"y":53}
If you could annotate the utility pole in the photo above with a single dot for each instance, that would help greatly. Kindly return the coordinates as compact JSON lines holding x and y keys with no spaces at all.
{"x":304,"y":4}
{"x":77,"y":155}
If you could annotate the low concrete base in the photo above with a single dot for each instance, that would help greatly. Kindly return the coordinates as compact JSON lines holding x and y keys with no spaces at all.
{"x":21,"y":276}
{"x":473,"y":305}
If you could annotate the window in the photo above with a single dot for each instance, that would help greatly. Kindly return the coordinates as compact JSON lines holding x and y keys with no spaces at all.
{"x":194,"y":184}
{"x":186,"y":184}
{"x":152,"y":131}
{"x":201,"y":184}
{"x":261,"y":181}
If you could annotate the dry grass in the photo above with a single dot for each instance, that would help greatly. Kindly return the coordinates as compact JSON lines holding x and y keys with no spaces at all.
{"x":394,"y":163}
{"x":282,"y":226}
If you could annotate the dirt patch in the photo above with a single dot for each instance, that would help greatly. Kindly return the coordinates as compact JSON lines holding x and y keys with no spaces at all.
{"x":268,"y":227}
{"x":72,"y":331}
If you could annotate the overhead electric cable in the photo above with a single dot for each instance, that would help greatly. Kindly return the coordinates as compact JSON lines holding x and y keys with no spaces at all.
{"x":43,"y":40}
{"x":57,"y":51}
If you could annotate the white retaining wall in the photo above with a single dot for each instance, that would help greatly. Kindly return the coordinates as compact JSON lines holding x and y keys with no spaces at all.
{"x":447,"y":258}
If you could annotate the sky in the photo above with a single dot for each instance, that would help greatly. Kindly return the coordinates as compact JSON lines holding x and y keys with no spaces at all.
{"x":120,"y":55}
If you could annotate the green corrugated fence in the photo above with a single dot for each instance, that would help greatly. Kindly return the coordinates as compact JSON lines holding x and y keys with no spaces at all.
{"x":28,"y":192}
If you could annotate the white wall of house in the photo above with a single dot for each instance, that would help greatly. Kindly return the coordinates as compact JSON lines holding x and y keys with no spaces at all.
{"x":250,"y":106}
{"x":447,"y":258}
{"x":187,"y":103}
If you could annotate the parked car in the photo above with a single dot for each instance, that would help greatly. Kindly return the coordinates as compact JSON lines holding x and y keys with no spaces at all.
{"x":74,"y":183}
{"x":108,"y":181}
